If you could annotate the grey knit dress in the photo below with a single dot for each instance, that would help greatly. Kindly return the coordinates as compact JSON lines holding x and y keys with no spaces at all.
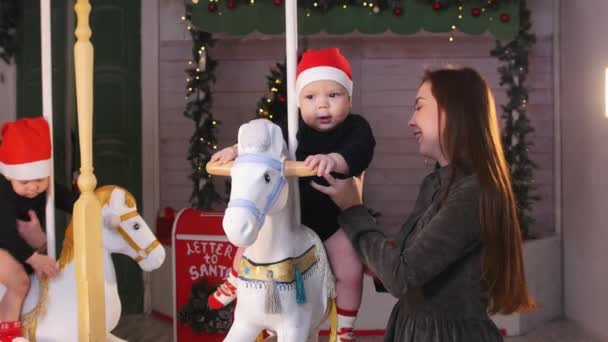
{"x":433,"y":266}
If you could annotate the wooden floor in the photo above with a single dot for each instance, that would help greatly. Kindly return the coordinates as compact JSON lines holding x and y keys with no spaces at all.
{"x":148,"y":329}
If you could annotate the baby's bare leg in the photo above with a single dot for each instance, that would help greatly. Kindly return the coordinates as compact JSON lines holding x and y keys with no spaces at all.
{"x":17,"y":283}
{"x":349,"y":282}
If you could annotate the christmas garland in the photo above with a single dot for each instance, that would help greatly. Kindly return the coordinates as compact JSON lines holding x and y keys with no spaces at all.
{"x":517,"y":128}
{"x":374,"y":6}
{"x":203,"y":143}
{"x":199,"y":316}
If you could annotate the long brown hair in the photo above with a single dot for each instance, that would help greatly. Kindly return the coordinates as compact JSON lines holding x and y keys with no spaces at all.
{"x":472,"y":144}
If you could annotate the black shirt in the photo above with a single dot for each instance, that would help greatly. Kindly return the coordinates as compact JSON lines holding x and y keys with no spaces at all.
{"x":13,"y":207}
{"x":352,"y":139}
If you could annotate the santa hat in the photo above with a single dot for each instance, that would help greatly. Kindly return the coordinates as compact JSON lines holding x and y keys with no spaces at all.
{"x":325,"y":64}
{"x":25,"y":152}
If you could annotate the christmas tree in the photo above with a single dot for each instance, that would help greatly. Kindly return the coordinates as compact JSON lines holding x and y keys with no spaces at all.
{"x":517,"y":129}
{"x":274,"y":105}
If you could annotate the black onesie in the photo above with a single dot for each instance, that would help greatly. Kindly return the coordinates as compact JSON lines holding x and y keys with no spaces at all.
{"x":352,"y":139}
{"x":13,"y":207}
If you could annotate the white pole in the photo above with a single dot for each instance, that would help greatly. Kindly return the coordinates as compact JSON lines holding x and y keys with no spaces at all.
{"x":47,"y":112}
{"x":291,"y":55}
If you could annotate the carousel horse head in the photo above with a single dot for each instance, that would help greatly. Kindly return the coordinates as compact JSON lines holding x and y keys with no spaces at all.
{"x":124,"y":230}
{"x":259,"y":187}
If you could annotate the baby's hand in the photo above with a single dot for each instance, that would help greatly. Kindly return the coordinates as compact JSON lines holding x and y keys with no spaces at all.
{"x":225,"y":155}
{"x":323,"y":162}
{"x":43,"y":265}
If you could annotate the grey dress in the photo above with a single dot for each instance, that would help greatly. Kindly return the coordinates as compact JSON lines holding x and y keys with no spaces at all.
{"x":433,"y":266}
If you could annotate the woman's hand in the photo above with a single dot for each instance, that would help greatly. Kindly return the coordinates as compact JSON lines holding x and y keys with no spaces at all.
{"x":345,"y":193}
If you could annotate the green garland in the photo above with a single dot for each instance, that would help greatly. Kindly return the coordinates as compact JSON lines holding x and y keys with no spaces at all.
{"x":9,"y":14}
{"x":517,"y":129}
{"x":203,"y":143}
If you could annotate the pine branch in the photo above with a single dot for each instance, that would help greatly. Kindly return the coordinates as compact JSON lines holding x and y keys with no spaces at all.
{"x":517,"y":127}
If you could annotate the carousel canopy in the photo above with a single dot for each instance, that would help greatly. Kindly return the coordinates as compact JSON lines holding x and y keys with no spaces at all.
{"x":238,"y":17}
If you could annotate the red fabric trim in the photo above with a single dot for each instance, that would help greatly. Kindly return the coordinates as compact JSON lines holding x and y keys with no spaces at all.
{"x":348,"y":313}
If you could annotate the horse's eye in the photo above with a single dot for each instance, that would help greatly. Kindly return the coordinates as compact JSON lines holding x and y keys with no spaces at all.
{"x":267,"y":178}
{"x":136,"y":226}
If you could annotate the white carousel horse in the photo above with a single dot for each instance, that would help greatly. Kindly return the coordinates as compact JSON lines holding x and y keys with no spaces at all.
{"x":285,"y":282}
{"x":50,"y":308}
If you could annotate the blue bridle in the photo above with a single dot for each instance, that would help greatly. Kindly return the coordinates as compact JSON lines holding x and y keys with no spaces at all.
{"x":249,"y":205}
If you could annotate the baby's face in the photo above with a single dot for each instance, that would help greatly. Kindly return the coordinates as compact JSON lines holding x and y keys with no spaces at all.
{"x":324,"y":104}
{"x":30,"y":188}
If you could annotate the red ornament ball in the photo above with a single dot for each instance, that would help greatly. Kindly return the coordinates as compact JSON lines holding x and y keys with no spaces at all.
{"x":282,"y":98}
{"x":231,"y":4}
{"x":397,"y":11}
{"x":212,"y":7}
{"x":437,"y":5}
{"x":476,"y":12}
{"x":277,"y":2}
{"x":505,"y":18}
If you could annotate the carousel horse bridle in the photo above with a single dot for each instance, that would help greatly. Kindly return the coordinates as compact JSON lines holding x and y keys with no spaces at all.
{"x":141,"y":253}
{"x":250,"y":206}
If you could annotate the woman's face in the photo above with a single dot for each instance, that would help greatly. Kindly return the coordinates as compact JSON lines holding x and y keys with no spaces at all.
{"x":426,"y":124}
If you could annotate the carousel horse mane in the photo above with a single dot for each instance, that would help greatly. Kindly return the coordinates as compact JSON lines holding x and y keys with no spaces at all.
{"x":103,"y":195}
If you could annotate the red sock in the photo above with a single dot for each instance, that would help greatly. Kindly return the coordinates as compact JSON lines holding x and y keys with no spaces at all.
{"x":10,"y":330}
{"x":346,"y":324}
{"x":224,"y":294}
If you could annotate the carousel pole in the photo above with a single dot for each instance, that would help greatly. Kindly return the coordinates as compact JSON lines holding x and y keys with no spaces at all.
{"x":47,"y":113}
{"x":291,"y":56}
{"x":87,"y":210}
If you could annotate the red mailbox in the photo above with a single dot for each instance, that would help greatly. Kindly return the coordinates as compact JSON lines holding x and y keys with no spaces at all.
{"x":202,"y":253}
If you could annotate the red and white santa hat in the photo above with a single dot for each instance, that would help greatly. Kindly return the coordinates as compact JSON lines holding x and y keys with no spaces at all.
{"x":25,"y":151}
{"x":325,"y":64}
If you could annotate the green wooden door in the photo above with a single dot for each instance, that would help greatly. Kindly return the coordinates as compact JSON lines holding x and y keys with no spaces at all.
{"x":117,"y":112}
{"x":115,"y":25}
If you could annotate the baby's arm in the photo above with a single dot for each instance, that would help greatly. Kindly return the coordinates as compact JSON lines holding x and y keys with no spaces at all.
{"x":225,"y":155}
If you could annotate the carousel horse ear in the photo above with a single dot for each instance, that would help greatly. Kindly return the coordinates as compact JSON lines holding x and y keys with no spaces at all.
{"x":297,"y":169}
{"x":254,"y":137}
{"x":214,"y":168}
{"x":117,"y":198}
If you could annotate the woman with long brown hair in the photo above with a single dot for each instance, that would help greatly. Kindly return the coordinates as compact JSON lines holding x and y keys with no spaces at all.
{"x":458,"y":257}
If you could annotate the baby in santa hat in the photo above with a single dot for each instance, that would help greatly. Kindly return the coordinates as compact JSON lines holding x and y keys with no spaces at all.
{"x":331,"y":139}
{"x":25,"y":167}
